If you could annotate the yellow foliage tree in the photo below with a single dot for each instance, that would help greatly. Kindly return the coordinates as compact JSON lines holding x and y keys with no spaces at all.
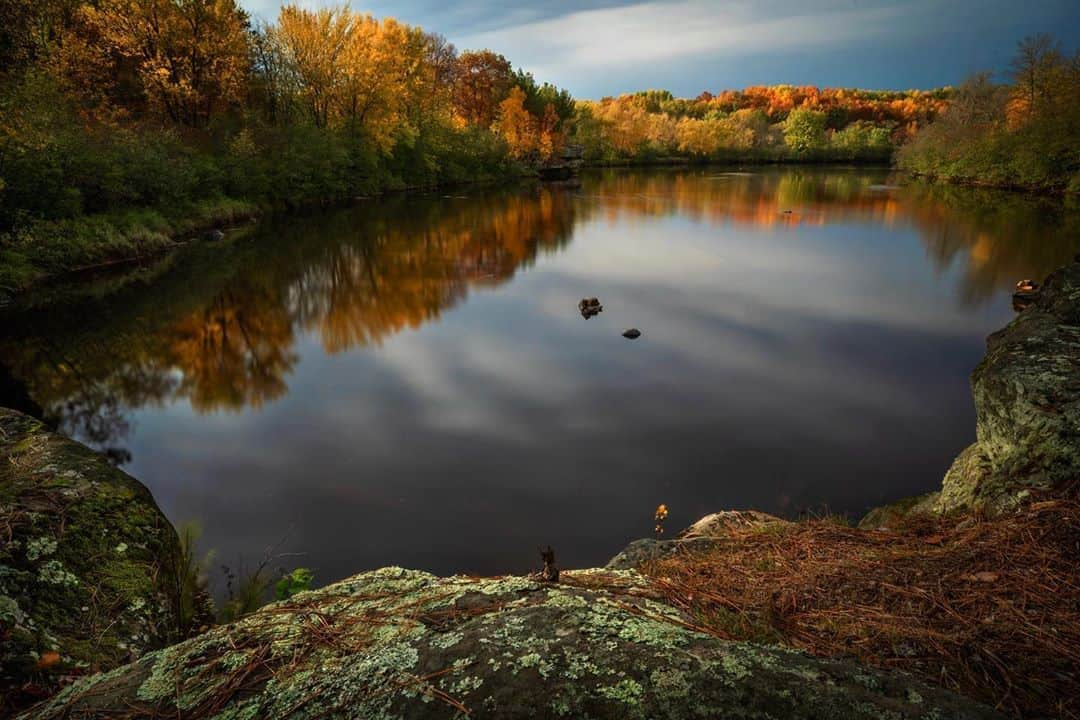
{"x":191,"y":57}
{"x":516,"y":125}
{"x":353,"y":69}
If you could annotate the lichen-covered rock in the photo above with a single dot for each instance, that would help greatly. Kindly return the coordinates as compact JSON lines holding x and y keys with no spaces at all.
{"x":699,"y":536}
{"x":1027,"y":403}
{"x":721,"y":524}
{"x":639,"y":552}
{"x":396,"y":643}
{"x":84,"y":550}
{"x":889,"y":516}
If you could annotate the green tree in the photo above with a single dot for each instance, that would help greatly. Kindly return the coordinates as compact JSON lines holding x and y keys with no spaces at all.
{"x":804,"y":130}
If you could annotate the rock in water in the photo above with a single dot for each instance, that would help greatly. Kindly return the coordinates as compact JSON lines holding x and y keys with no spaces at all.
{"x":87,"y":575}
{"x":632,"y":333}
{"x":397,"y":643}
{"x":590,"y":307}
{"x":213,"y":235}
{"x":1027,"y":405}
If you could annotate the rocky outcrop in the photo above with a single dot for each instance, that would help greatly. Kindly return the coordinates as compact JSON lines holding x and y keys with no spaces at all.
{"x":85,"y":553}
{"x":699,"y":536}
{"x":397,"y":643}
{"x":1027,"y":404}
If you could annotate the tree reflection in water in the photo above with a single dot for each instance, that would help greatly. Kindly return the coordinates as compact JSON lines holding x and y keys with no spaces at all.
{"x":218,"y":325}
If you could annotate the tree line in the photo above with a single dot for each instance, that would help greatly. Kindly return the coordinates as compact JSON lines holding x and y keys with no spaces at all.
{"x":1024,"y":133}
{"x":774,"y":123}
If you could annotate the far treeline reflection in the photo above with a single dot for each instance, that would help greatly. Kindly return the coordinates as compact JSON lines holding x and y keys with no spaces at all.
{"x":217,"y":324}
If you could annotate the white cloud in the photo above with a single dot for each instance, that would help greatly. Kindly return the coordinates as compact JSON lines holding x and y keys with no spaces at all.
{"x":658,"y":31}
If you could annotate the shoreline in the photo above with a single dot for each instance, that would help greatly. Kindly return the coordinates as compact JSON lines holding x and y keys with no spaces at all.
{"x":136,"y":235}
{"x":1038,"y":191}
{"x":222,"y":214}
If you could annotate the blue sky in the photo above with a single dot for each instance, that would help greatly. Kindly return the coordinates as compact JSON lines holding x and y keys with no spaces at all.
{"x":605,"y":47}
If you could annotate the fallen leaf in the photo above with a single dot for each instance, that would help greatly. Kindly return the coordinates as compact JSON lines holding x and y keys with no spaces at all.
{"x":47,"y":660}
{"x":984,"y":576}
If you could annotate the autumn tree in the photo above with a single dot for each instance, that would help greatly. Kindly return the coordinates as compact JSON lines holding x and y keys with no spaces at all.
{"x":273,"y":76}
{"x":483,"y":80}
{"x":190,"y":56}
{"x":30,"y":30}
{"x":1037,"y":71}
{"x":516,"y":124}
{"x":315,"y":44}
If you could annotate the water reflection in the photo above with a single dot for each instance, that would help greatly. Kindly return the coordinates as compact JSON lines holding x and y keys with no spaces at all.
{"x":807,"y":339}
{"x":219,"y":329}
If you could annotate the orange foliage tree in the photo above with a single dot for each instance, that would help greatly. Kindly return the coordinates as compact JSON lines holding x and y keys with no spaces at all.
{"x":190,"y":59}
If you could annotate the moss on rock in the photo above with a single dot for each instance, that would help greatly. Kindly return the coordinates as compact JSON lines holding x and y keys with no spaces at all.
{"x":1027,"y":404}
{"x":397,"y":643}
{"x":893,"y":514}
{"x":85,"y":582}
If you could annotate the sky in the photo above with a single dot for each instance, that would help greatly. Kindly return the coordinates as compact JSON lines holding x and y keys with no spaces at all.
{"x":606,"y":47}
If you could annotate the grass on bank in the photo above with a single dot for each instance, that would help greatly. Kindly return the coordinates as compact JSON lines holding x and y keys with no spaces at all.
{"x":988,"y":608}
{"x":50,"y":247}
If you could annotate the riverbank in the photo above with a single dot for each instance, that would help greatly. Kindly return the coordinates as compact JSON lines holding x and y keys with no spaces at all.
{"x":1068,"y":192}
{"x":51,"y":249}
{"x":761,"y":159}
{"x":972,"y":590}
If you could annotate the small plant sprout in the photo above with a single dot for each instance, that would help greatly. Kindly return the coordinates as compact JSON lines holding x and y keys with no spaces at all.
{"x":661,"y":516}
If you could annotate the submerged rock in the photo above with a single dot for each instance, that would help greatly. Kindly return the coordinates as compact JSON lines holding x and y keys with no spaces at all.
{"x":1027,"y":405}
{"x":397,"y":643}
{"x":632,"y":334}
{"x":86,"y":558}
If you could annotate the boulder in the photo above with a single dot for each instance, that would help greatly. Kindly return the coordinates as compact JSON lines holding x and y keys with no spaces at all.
{"x":645,"y":550}
{"x":86,"y":581}
{"x":395,"y":643}
{"x":1027,"y":404}
{"x":723,"y":523}
{"x":699,"y":536}
{"x":893,"y":514}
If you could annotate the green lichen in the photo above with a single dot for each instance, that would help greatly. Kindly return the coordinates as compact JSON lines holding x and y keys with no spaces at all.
{"x":625,"y":691}
{"x":39,"y":547}
{"x":401,"y":644}
{"x":53,"y":572}
{"x":91,"y":576}
{"x":446,"y":640}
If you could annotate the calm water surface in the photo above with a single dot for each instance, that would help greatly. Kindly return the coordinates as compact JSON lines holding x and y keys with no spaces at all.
{"x":409,"y":381}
